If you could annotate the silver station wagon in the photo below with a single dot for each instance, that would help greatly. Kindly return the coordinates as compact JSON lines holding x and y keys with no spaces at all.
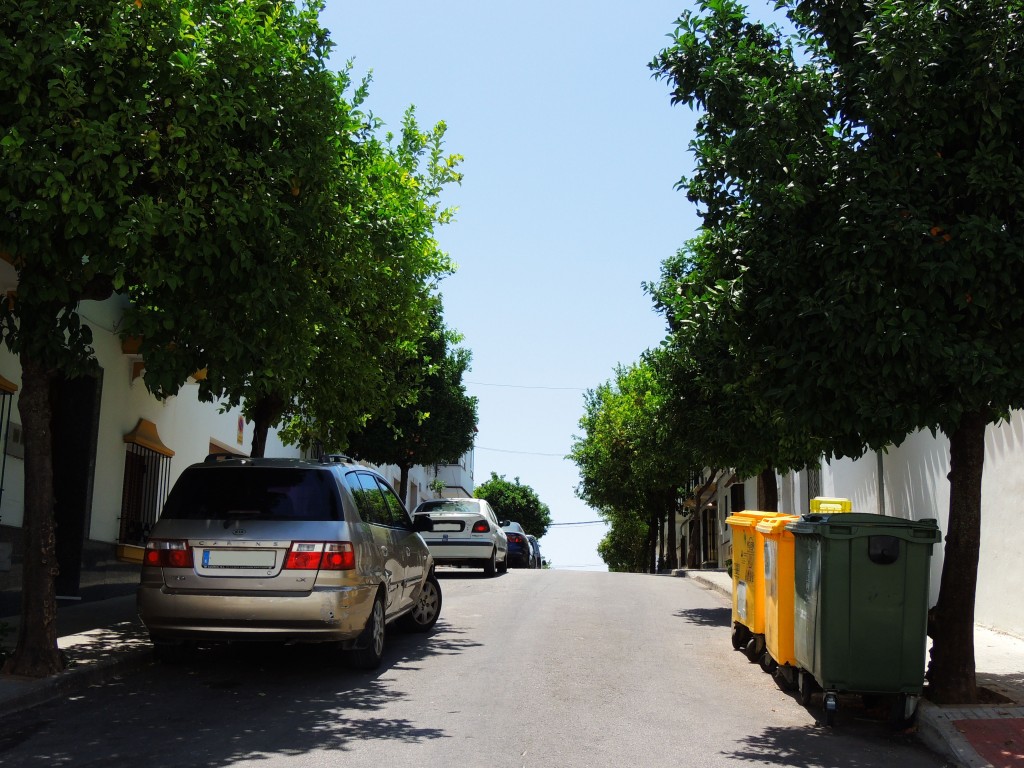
{"x":285,"y":549}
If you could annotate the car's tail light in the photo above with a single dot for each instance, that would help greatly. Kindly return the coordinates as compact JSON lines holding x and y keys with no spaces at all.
{"x":312,"y":556}
{"x":515,"y":538}
{"x":481,"y":526}
{"x":338,"y":556}
{"x":167,"y":553}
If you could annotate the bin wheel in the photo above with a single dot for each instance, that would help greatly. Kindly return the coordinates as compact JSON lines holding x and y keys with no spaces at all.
{"x":903,"y":711}
{"x":830,"y":703}
{"x":740,"y":635}
{"x":787,"y":678}
{"x":768,"y":664}
{"x":754,"y":650}
{"x":808,"y":686}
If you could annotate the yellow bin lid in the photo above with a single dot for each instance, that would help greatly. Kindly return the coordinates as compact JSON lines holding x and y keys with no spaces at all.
{"x":749,"y":518}
{"x":821,"y":505}
{"x":777,"y":524}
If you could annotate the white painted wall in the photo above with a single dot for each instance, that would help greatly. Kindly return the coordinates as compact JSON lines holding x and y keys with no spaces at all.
{"x":185,"y":425}
{"x":916,"y":487}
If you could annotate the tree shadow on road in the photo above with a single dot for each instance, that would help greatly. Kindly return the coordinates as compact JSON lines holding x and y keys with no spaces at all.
{"x":230,"y":704}
{"x":849,"y":745}
{"x":707,"y":617}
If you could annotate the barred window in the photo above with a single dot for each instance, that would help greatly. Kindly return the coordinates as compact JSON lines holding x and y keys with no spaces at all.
{"x":147,"y":472}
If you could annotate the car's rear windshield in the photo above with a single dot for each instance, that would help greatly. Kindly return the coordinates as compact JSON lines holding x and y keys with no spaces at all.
{"x":261,"y":493}
{"x":448,"y":506}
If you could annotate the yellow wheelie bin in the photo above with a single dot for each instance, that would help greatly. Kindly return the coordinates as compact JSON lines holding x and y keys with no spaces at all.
{"x":779,"y":657}
{"x":748,"y":582}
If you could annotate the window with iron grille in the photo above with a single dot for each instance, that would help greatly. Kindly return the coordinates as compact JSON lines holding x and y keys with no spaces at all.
{"x":147,"y":476}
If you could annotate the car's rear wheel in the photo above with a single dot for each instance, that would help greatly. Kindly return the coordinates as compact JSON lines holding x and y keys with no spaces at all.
{"x":503,"y":565}
{"x":371,"y":652}
{"x":424,"y":614}
{"x":490,"y":565}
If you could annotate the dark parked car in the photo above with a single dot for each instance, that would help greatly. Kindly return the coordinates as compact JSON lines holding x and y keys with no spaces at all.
{"x":538,"y":561}
{"x":520,"y":553}
{"x":290,"y":550}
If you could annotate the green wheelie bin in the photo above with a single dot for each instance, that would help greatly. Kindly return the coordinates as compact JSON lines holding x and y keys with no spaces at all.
{"x":861,"y":607}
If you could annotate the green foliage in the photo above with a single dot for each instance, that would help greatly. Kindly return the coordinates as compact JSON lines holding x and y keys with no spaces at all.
{"x":439,"y":425}
{"x":859,"y":182}
{"x":859,"y":195}
{"x":516,"y":502}
{"x":201,"y":160}
{"x":624,"y":547}
{"x":633,"y":454}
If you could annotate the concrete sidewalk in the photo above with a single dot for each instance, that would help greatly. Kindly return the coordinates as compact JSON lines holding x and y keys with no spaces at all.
{"x":982,"y":736}
{"x":100,"y":639}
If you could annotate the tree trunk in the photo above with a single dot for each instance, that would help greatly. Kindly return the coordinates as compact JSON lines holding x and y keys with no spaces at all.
{"x":769,"y":490}
{"x":36,"y":654}
{"x":673,"y":558}
{"x":951,"y":673}
{"x":652,"y":543}
{"x":692,"y":555}
{"x":662,"y":538}
{"x":403,"y":483}
{"x":265,"y":413}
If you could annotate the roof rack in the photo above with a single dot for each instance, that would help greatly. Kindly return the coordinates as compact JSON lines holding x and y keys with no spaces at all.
{"x":336,"y":458}
{"x":213,"y":458}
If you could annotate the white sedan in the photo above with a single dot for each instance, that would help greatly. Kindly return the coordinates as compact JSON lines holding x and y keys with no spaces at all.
{"x":465,"y":532}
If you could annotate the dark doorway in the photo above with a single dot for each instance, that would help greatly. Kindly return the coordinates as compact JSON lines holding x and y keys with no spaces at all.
{"x":76,"y":411}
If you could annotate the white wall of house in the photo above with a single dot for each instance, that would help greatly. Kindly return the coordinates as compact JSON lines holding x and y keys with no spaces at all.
{"x":916,"y":487}
{"x":184,"y":424}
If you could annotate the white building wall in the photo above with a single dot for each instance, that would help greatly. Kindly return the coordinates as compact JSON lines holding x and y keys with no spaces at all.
{"x":184,"y":424}
{"x":916,"y":487}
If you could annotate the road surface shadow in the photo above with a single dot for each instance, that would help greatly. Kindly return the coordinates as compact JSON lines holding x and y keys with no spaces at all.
{"x":707,"y":617}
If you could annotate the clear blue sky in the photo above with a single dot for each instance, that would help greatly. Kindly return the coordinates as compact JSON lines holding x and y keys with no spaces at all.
{"x":568,"y":204}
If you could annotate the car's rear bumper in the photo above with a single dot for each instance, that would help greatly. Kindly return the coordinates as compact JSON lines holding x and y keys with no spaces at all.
{"x":518,"y":558}
{"x":324,"y":614}
{"x":455,"y":551}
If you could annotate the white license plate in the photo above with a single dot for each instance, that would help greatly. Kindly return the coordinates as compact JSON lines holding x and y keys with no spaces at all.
{"x":238,"y":558}
{"x":447,"y":526}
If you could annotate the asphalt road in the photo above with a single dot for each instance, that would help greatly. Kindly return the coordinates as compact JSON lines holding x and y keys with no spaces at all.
{"x":532,"y":668}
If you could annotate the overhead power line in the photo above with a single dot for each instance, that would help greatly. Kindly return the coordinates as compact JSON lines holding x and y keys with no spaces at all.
{"x":582,"y":522}
{"x":524,"y":453}
{"x":526,"y":386}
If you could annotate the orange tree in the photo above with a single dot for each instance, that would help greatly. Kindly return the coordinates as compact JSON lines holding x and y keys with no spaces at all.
{"x":861,"y":176}
{"x":172,"y":152}
{"x":437,"y":425}
{"x":631,"y":462}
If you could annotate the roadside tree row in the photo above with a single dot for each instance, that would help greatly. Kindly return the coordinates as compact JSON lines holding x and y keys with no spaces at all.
{"x":856,"y":274}
{"x":203,"y":163}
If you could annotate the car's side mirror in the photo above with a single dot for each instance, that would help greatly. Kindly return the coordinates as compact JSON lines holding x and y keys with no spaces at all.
{"x":422,"y":523}
{"x":503,"y":523}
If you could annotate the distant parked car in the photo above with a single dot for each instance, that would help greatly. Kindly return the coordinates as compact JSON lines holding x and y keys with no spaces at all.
{"x":520,"y":553}
{"x":538,"y":562}
{"x":285,"y":549}
{"x":465,"y":532}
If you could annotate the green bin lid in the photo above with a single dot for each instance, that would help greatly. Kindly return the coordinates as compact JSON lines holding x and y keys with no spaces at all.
{"x":857,"y":524}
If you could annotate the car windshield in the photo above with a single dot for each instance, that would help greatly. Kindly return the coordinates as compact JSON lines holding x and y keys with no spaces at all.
{"x":447,"y":506}
{"x":261,"y":493}
{"x":516,"y":527}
